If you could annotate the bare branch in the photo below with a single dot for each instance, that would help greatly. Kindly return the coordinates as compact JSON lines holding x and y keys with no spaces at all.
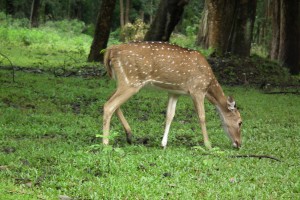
{"x":11,"y":64}
{"x":256,"y":156}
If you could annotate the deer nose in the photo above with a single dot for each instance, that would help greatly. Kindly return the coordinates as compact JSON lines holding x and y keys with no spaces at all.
{"x":237,"y":144}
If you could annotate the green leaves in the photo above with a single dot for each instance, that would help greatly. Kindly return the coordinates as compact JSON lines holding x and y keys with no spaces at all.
{"x":102,"y":51}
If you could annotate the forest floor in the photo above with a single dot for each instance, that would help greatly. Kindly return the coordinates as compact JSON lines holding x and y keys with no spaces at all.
{"x":49,"y":148}
{"x":51,"y":103}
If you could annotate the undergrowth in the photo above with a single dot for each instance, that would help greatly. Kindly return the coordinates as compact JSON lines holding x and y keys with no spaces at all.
{"x":62,"y":45}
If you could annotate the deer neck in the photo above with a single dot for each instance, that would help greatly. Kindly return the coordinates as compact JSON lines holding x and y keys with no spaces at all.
{"x":217,"y":97}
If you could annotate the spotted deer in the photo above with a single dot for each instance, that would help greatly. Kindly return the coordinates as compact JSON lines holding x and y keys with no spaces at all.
{"x":177,"y":70}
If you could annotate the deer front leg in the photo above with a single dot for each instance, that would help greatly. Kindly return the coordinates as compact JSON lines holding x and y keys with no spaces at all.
{"x":169,"y":118}
{"x":117,"y":99}
{"x":199,"y":106}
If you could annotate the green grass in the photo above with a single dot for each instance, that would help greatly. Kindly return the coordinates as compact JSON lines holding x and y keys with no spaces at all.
{"x":48,"y":145}
{"x":43,"y":48}
{"x":59,"y":44}
{"x":48,"y":128}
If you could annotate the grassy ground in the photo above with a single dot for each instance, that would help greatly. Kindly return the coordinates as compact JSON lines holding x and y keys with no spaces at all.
{"x":46,"y":47}
{"x":49,"y":123}
{"x":48,"y":145}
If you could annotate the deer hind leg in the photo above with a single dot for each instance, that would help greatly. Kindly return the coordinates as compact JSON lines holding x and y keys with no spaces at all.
{"x":199,"y":106}
{"x":114,"y":103}
{"x":169,"y":118}
{"x":125,"y":125}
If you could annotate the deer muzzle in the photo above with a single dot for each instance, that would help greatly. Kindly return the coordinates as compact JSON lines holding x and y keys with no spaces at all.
{"x":237,"y":144}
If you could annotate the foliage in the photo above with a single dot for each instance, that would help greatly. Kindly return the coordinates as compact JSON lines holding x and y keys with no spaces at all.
{"x":262,"y":33}
{"x":183,"y":41}
{"x":55,"y":44}
{"x":48,"y":145}
{"x":232,"y":70}
{"x":68,"y":26}
{"x":259,"y":50}
{"x":133,"y":32}
{"x":84,"y":10}
{"x":191,"y":18}
{"x":8,"y":21}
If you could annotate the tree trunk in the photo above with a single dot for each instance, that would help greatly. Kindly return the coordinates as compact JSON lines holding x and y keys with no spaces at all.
{"x":127,"y":12}
{"x":289,"y":35}
{"x":275,"y":7}
{"x":151,"y":12}
{"x":9,"y":7}
{"x":167,"y":17}
{"x":104,"y":21}
{"x":216,"y":25}
{"x":34,"y":16}
{"x":122,"y":22}
{"x":242,"y":28}
{"x":227,"y":26}
{"x":78,"y":10}
{"x":285,"y":45}
{"x":142,"y":15}
{"x":202,"y":37}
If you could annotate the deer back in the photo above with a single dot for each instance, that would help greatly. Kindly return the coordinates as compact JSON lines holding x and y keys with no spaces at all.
{"x":159,"y":64}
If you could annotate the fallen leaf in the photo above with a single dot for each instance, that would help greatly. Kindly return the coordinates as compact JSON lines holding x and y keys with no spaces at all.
{"x":232,"y":180}
{"x":29,"y":184}
{"x":64,"y":197}
{"x":3,"y":167}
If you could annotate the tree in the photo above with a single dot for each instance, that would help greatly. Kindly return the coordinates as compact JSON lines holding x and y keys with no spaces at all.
{"x":124,"y":16}
{"x":215,"y":25}
{"x":102,"y":30}
{"x":34,"y":16}
{"x":285,"y":45}
{"x":167,"y":17}
{"x":275,"y":15}
{"x":149,"y":8}
{"x":122,"y":21}
{"x":262,"y":27}
{"x":9,"y":7}
{"x":240,"y":37}
{"x":127,"y":12}
{"x":227,"y":26}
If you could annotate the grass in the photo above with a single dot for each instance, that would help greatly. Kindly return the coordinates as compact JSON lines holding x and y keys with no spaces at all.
{"x":43,"y":48}
{"x":49,"y":124}
{"x":48,"y":145}
{"x":59,"y":44}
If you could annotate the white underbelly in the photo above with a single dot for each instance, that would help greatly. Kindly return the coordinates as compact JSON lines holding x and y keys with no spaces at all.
{"x":168,"y":87}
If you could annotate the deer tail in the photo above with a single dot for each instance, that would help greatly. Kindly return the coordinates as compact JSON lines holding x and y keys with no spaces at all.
{"x":107,"y":63}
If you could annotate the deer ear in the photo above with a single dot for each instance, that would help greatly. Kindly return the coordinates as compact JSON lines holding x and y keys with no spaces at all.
{"x":231,"y":103}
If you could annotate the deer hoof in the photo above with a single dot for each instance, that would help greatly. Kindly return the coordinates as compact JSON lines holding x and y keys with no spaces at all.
{"x":105,"y":141}
{"x":129,"y":139}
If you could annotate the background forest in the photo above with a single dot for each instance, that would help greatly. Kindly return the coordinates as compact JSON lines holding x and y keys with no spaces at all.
{"x":53,"y":86}
{"x":268,"y":28}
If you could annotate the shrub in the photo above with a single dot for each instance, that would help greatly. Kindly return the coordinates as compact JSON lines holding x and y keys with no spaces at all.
{"x":71,"y":26}
{"x":133,"y":32}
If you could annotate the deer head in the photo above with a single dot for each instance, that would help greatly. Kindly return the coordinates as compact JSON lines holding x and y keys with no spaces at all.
{"x":232,"y":122}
